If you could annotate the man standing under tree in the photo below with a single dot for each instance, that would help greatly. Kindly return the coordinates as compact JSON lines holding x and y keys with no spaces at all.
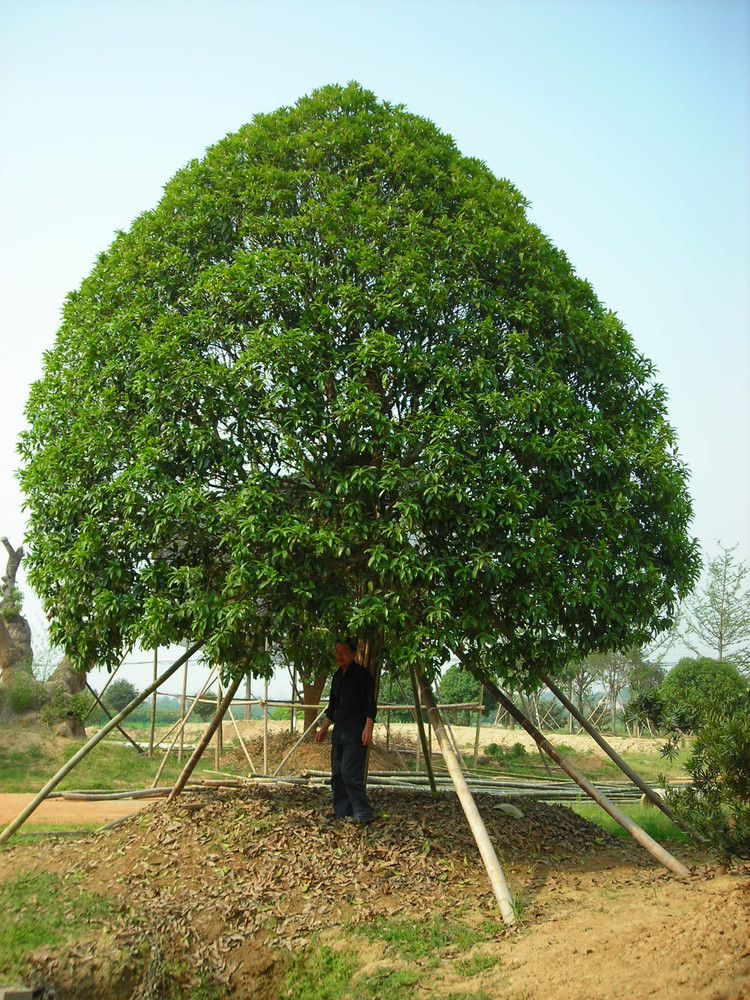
{"x":351,"y":709}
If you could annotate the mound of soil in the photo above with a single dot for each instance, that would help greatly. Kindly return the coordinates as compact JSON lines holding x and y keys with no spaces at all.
{"x":308,"y":756}
{"x":225,"y":886}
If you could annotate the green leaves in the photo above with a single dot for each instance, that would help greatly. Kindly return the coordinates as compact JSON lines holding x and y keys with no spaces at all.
{"x":336,"y":380}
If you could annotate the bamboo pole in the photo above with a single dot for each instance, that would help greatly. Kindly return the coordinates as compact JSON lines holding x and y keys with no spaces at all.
{"x":479,"y":726}
{"x":420,"y":729}
{"x":308,"y":730}
{"x":218,"y":741}
{"x":242,"y":742}
{"x":107,"y":712}
{"x":639,"y":835}
{"x":637,"y":780}
{"x":109,"y":681}
{"x":478,"y":829}
{"x":183,"y":706}
{"x":153,"y":706}
{"x":96,"y":738}
{"x":265,"y":727}
{"x":205,"y":739}
{"x":182,"y":724}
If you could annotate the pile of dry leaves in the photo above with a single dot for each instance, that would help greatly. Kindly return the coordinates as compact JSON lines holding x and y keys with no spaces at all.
{"x":222,"y":884}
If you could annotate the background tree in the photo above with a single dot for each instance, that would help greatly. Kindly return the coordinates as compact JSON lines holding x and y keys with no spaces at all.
{"x":119,"y":694}
{"x":718,"y":615}
{"x":205,"y":710}
{"x":337,"y":375}
{"x":696,"y":683}
{"x":457,"y":686}
{"x":614,"y":671}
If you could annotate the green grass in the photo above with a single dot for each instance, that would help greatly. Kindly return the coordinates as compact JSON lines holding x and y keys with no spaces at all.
{"x":41,"y":909}
{"x":414,"y":939}
{"x":108,"y":766}
{"x":319,"y":974}
{"x":649,"y":818}
{"x":324,"y":973}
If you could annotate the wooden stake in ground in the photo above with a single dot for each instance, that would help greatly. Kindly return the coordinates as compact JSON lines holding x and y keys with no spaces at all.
{"x":635,"y":831}
{"x":624,"y":767}
{"x":478,"y":829}
{"x":96,"y":738}
{"x":206,"y":738}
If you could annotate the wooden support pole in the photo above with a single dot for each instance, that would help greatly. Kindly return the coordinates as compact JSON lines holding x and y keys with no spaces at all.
{"x":88,"y":747}
{"x":469,"y":806}
{"x":205,"y":739}
{"x":637,"y":780}
{"x":635,"y":831}
{"x":420,"y":728}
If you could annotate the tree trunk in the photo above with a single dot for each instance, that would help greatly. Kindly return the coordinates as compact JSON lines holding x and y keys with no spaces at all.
{"x":15,"y":634}
{"x":311,"y":692}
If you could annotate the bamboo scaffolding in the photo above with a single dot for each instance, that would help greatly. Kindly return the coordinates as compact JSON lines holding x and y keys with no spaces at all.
{"x":107,"y":712}
{"x":205,"y":739}
{"x":478,"y":829}
{"x":637,"y":780}
{"x":96,"y":738}
{"x":109,"y":681}
{"x":182,"y":723}
{"x":242,"y":742}
{"x":638,"y":834}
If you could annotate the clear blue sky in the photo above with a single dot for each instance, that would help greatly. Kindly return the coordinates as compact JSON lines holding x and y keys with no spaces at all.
{"x":625,"y":122}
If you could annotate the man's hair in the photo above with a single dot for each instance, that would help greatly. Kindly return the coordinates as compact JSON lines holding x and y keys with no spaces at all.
{"x":351,"y":643}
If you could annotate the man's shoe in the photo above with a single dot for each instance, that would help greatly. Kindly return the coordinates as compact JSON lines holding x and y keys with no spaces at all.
{"x":357,"y":820}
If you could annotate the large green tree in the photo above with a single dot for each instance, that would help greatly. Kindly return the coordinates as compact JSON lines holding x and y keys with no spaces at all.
{"x":337,"y":377}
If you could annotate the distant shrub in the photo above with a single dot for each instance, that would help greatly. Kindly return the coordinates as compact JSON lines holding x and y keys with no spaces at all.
{"x":517,"y":752}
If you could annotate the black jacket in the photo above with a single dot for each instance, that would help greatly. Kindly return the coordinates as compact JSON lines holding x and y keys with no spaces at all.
{"x":351,"y":703}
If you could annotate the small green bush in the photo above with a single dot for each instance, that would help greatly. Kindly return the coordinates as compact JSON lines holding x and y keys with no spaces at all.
{"x":717,"y":804}
{"x":24,"y":693}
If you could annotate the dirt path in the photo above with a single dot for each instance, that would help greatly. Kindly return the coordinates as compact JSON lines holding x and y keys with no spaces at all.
{"x":65,"y":813}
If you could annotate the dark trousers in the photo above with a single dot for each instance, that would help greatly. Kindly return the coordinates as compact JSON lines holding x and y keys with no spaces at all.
{"x":348,"y":781}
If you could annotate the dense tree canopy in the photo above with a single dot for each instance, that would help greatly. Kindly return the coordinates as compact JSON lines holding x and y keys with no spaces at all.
{"x":697,"y":683}
{"x":336,"y":379}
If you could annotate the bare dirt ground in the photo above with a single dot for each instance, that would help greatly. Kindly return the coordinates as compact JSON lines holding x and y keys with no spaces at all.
{"x":234,"y":883}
